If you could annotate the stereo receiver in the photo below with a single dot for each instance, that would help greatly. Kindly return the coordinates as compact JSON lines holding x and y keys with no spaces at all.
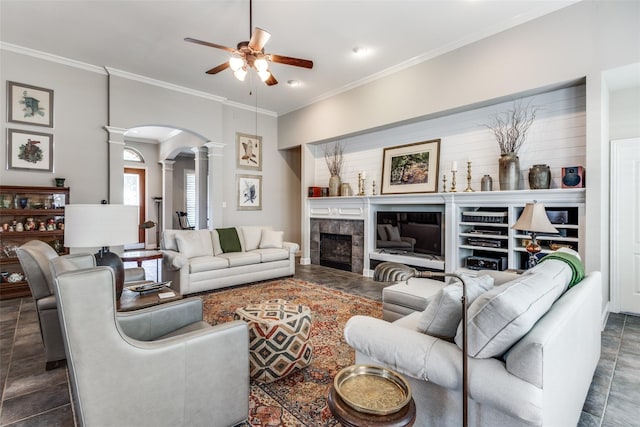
{"x":486,"y":263}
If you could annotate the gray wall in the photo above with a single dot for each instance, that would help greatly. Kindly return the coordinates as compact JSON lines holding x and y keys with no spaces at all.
{"x":81,"y":97}
{"x":581,"y":41}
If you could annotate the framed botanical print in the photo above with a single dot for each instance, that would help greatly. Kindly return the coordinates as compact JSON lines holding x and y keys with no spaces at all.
{"x":411,"y":168}
{"x":28,"y":150}
{"x":29,"y":105}
{"x":249,"y":151}
{"x":249,"y":192}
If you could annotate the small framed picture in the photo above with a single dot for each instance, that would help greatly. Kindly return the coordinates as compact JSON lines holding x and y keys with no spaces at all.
{"x":411,"y":168}
{"x":28,"y":150}
{"x":29,"y":104}
{"x":249,"y":192}
{"x":249,"y":151}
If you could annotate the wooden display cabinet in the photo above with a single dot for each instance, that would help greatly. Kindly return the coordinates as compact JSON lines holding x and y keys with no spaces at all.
{"x":28,"y":213}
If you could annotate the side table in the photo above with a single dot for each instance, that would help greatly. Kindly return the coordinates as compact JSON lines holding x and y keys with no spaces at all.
{"x":131,"y":300}
{"x":349,"y":417}
{"x":139,"y":256}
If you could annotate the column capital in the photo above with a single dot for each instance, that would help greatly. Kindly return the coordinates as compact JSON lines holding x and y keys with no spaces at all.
{"x":215,"y":148}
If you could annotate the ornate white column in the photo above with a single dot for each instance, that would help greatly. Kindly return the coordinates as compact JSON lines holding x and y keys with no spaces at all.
{"x":202,"y":170}
{"x":216,"y":183}
{"x":116,"y":164}
{"x":167,"y":194}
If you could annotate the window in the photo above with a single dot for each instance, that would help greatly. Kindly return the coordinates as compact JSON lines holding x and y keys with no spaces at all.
{"x":190,"y":195}
{"x":131,"y":155}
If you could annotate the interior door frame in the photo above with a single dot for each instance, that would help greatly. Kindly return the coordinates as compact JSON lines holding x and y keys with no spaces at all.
{"x":617,"y":199}
{"x":142,"y":176}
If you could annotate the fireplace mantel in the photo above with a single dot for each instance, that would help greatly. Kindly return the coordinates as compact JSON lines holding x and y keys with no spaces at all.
{"x":364,"y":208}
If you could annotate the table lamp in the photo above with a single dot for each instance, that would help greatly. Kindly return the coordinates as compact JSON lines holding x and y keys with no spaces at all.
{"x":396,"y":272}
{"x":102,"y":225}
{"x":534,"y":219}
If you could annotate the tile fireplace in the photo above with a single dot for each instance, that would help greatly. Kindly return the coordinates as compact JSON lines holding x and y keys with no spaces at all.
{"x":338,"y":244}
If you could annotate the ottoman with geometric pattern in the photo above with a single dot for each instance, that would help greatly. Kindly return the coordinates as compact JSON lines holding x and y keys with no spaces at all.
{"x":278,"y":338}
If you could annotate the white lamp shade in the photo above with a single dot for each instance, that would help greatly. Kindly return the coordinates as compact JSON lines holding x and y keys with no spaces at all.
{"x":90,"y":226}
{"x":534,"y":219}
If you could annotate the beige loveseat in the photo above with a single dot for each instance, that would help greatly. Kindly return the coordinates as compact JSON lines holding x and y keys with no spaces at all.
{"x":533,"y":346}
{"x":199,"y":260}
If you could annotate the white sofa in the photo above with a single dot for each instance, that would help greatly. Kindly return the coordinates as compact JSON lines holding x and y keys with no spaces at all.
{"x":541,"y":379}
{"x":196,"y":261}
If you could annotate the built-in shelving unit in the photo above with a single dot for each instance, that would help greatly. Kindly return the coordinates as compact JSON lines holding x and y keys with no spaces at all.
{"x":476,"y":224}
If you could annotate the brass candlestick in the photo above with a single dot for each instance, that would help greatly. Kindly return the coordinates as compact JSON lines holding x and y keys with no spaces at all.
{"x":360,"y":185}
{"x":468,"y":189}
{"x":444,"y":182}
{"x":453,"y":182}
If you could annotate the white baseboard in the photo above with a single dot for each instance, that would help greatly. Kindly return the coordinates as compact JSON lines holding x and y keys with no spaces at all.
{"x":305,"y":261}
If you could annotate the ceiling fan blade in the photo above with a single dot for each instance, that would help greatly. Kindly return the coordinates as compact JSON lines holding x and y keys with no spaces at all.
{"x":258,"y":39}
{"x":297,"y":62}
{"x":217,"y":46}
{"x":221,"y":67}
{"x":271,"y":81}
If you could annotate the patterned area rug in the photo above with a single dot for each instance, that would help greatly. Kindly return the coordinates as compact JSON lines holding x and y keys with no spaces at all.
{"x":300,"y":398}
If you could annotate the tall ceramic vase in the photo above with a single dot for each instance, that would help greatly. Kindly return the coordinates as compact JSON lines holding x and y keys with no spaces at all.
{"x":509,"y":169}
{"x":334,"y":185}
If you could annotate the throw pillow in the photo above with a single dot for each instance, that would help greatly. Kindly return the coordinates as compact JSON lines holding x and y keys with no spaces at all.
{"x":229,"y":241}
{"x":271,"y":239}
{"x":382,"y":232}
{"x":215,"y":241}
{"x":444,"y":309}
{"x":251,"y":236}
{"x":497,"y":319}
{"x":194,"y":243}
{"x":393,"y":233}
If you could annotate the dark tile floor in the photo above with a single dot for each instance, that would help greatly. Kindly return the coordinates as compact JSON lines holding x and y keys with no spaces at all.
{"x":32,"y":396}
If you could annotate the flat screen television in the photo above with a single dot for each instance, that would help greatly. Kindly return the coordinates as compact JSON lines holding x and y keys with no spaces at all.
{"x":410,"y":232}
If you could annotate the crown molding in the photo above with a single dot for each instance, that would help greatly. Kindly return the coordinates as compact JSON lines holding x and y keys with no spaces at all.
{"x":51,"y":58}
{"x":108,"y":71}
{"x":480,"y":35}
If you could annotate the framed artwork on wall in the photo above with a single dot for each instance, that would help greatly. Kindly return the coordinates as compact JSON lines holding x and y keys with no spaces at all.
{"x":249,"y":192}
{"x":411,"y":168}
{"x":29,"y":105}
{"x":28,"y":150}
{"x":249,"y":151}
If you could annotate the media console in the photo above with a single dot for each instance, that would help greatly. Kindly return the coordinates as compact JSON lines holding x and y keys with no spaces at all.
{"x":466,"y":233}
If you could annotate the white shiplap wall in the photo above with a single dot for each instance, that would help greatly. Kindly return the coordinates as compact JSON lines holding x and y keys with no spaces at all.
{"x":556,"y":138}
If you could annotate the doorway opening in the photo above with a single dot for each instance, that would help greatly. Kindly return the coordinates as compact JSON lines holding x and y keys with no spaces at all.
{"x":135,"y":194}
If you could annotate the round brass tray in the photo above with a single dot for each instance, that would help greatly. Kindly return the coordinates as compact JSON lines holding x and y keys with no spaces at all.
{"x":372,"y":389}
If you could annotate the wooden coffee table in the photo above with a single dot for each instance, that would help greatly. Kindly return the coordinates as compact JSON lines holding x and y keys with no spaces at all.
{"x":131,"y":300}
{"x":349,"y":417}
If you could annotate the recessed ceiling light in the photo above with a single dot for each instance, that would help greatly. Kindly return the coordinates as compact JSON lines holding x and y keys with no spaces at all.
{"x":360,"y":50}
{"x":294,"y":83}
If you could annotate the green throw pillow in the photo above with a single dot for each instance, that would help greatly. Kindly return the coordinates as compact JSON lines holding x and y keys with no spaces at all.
{"x":229,"y":240}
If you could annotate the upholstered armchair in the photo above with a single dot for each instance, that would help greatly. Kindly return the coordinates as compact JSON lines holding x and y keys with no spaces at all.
{"x":34,"y":257}
{"x":160,"y":366}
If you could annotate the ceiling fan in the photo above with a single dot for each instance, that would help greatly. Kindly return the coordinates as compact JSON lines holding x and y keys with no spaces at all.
{"x":250,"y":54}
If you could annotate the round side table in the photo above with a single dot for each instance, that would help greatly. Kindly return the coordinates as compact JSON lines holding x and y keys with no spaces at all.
{"x":349,"y":417}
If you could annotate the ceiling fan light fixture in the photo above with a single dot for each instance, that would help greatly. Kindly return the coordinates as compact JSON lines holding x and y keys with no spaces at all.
{"x":261,"y":64}
{"x":236,"y":63}
{"x":240,"y":73}
{"x":264,"y":75}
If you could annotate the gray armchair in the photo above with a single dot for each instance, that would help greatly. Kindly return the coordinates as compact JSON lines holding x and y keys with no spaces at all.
{"x":161,"y":366}
{"x":34,"y":257}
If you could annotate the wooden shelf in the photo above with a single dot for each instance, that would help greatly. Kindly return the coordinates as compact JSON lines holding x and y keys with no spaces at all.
{"x":43,"y":204}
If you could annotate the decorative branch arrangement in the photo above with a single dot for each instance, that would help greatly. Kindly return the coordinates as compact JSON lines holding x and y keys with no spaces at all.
{"x":333,"y":157}
{"x":510,"y":127}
